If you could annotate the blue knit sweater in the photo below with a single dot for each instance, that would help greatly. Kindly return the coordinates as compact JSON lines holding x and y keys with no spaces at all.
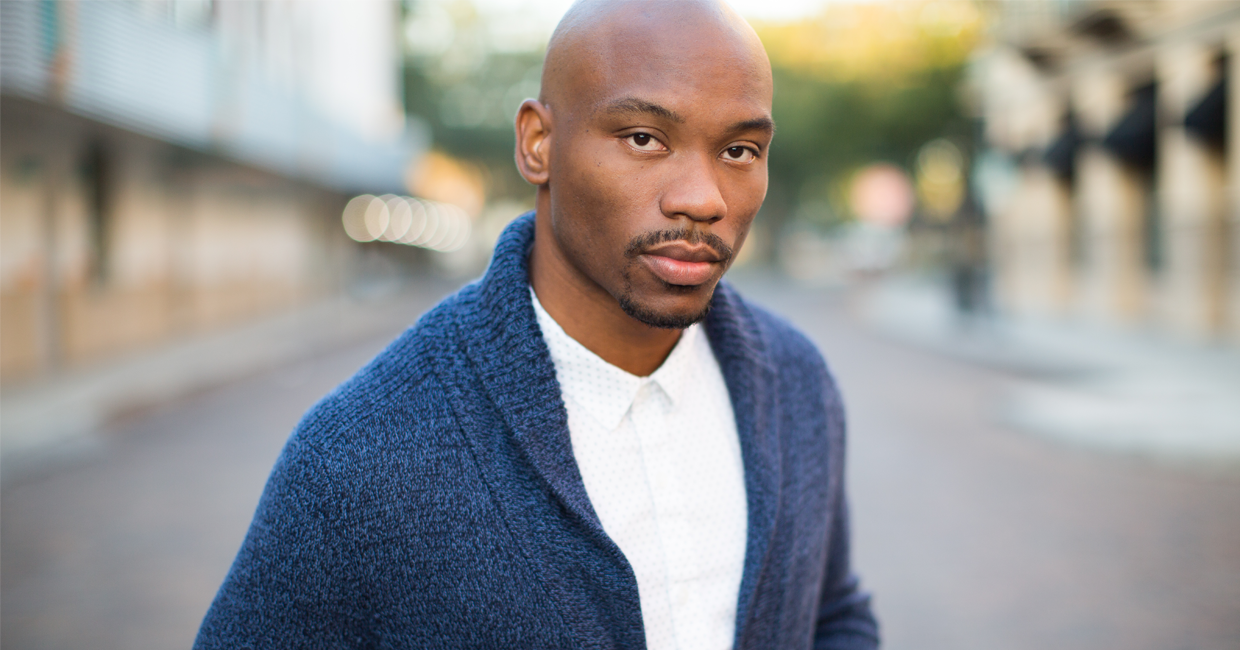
{"x":432,"y":500}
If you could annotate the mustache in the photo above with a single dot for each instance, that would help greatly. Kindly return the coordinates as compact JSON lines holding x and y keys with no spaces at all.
{"x":642,"y":243}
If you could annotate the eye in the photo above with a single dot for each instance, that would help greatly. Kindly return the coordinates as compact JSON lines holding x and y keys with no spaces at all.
{"x":740,"y":154}
{"x":644,"y":142}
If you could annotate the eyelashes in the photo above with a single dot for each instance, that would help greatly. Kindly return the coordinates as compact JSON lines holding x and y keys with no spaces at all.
{"x":648,"y":143}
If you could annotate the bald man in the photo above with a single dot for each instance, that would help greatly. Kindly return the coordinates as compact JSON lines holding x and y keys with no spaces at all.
{"x":598,"y":444}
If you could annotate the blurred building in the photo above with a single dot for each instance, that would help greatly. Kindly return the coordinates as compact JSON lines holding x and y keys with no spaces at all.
{"x":170,"y":166}
{"x":1112,"y":181}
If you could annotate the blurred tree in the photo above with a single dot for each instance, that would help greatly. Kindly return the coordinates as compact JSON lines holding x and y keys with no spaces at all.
{"x":856,"y":84}
{"x":467,"y":88}
{"x":828,"y":129}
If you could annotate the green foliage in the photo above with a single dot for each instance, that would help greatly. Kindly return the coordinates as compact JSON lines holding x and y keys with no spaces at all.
{"x":471,"y":115}
{"x":827,"y":129}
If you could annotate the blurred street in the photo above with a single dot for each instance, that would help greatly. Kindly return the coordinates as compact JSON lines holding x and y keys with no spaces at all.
{"x":1013,"y":229}
{"x":970,"y":535}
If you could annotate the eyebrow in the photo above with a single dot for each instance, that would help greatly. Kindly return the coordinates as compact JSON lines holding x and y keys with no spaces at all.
{"x":634,"y":105}
{"x":631,"y":105}
{"x":764,"y":124}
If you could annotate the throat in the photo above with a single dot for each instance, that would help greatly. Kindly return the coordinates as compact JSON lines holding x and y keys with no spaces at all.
{"x":614,"y":336}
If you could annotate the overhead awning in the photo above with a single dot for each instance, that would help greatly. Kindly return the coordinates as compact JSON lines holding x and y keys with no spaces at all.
{"x":176,"y":84}
{"x":1061,"y":155}
{"x":1133,"y":137}
{"x":1208,"y":118}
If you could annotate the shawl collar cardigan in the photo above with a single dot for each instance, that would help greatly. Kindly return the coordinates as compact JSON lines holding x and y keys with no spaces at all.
{"x":433,"y":500}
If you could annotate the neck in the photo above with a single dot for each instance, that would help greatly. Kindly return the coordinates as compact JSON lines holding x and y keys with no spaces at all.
{"x":591,"y":315}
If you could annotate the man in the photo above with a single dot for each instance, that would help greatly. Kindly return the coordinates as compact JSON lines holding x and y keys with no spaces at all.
{"x":597,"y":445}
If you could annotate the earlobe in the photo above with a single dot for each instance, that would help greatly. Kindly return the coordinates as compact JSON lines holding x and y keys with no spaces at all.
{"x":533,"y":126}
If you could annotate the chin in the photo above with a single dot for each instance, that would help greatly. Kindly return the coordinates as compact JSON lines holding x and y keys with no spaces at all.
{"x":683,"y":308}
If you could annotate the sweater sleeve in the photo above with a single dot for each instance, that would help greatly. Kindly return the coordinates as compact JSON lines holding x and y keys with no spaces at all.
{"x":845,"y":621}
{"x":287,"y":587}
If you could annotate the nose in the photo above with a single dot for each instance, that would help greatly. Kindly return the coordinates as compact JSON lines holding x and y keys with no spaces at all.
{"x":693,"y":192}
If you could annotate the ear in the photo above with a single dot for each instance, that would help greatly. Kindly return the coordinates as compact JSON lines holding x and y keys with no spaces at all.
{"x":534,"y":142}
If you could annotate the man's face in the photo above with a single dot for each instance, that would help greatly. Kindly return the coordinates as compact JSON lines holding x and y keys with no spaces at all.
{"x":658,"y":165}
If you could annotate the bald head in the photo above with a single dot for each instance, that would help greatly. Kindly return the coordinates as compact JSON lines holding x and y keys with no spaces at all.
{"x":648,"y":146}
{"x":600,"y":43}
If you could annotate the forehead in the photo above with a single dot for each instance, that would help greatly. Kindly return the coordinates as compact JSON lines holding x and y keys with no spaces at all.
{"x":691,"y":67}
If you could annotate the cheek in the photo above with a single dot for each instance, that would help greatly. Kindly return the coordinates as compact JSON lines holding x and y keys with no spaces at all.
{"x":595,"y":201}
{"x":590,"y":184}
{"x":605,"y":185}
{"x":744,"y":197}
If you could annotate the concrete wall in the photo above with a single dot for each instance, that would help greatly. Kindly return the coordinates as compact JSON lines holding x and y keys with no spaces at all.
{"x":110,"y":242}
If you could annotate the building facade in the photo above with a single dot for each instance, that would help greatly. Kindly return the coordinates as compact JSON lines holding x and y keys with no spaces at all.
{"x":172,"y":166}
{"x":1112,"y":169}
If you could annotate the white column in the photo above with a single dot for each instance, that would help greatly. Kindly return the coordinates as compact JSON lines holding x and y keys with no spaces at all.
{"x":1230,"y":274}
{"x":1111,"y":203}
{"x":1191,"y":182}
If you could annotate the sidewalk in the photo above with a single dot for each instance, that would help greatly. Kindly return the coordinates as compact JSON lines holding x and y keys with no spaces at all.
{"x":62,"y":416}
{"x":1104,"y":389}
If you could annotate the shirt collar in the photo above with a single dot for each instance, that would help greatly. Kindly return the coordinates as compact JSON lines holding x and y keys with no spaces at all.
{"x":612,"y":390}
{"x":678,"y":368}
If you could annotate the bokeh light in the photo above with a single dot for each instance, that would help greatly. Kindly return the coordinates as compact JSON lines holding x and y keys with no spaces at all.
{"x":433,"y":225}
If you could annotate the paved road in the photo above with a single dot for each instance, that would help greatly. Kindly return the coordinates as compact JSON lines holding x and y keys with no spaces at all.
{"x":970,"y":535}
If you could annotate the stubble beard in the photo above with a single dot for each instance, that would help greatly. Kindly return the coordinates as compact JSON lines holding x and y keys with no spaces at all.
{"x":658,"y":319}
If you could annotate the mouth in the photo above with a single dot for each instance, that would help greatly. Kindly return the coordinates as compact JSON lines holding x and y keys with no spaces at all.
{"x":681,"y":263}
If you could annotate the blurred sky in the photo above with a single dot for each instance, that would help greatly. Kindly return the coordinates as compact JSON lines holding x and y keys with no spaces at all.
{"x":542,"y":15}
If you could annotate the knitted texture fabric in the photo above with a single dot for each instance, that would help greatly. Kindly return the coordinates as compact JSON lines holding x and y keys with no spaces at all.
{"x":432,"y":500}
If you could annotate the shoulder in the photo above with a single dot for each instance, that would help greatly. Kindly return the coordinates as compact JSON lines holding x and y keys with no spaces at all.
{"x":396,"y":398}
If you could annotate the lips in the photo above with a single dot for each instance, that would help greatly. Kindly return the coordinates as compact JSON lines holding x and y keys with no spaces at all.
{"x":681,"y":263}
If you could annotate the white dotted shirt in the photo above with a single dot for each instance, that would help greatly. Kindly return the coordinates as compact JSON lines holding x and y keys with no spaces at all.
{"x":662,"y":467}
